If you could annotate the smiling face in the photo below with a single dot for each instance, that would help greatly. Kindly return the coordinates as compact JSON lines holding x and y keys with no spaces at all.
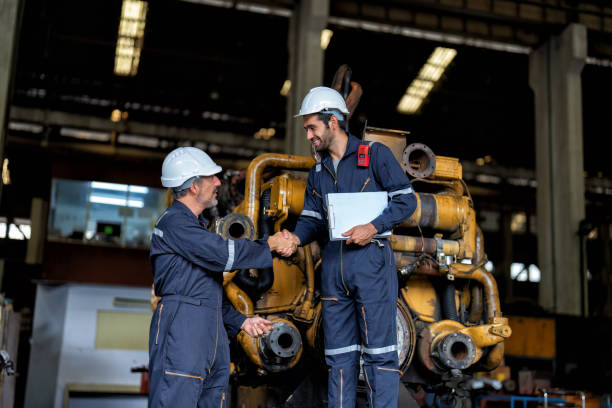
{"x":317,"y":133}
{"x":206,"y":188}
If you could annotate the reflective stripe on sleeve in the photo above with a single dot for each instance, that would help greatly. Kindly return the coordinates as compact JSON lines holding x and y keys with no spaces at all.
{"x":230,"y":255}
{"x":342,"y":350}
{"x":398,"y":192}
{"x":313,"y":214}
{"x":380,"y":350}
{"x":158,"y":232}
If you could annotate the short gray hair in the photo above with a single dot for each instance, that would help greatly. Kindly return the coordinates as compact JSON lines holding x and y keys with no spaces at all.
{"x":181,"y":191}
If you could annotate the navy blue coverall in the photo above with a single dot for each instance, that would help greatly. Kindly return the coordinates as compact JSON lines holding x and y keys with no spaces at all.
{"x":358,"y":283}
{"x":189,"y":360}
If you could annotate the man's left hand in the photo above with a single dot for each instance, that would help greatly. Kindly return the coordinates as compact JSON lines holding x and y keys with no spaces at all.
{"x":361,"y":234}
{"x":257,"y":326}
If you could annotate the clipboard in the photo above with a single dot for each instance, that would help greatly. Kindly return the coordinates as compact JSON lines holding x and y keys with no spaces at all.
{"x":346,"y":210}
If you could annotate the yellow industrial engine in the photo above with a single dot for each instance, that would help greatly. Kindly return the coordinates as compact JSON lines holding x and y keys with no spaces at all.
{"x":449,"y":322}
{"x":448,"y":311}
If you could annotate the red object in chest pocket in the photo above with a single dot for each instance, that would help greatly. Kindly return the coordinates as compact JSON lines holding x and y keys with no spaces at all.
{"x":363,"y":155}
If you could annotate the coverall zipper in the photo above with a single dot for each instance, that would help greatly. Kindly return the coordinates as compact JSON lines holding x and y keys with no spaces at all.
{"x":341,"y":270}
{"x":161,"y":307}
{"x":222,"y":399}
{"x":217,"y":336}
{"x":341,"y":267}
{"x":364,"y":184}
{"x":333,"y":175}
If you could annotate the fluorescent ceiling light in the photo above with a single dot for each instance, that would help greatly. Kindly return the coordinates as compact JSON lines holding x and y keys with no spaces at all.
{"x":442,"y":56}
{"x":25,"y":127}
{"x":429,"y":74}
{"x":85,"y":134}
{"x":145,"y":141}
{"x":286,"y":88}
{"x":116,"y":201}
{"x":139,"y":189}
{"x":100,"y":185}
{"x":326,"y":36}
{"x":108,"y":186}
{"x":130,"y":37}
{"x":409,"y":104}
{"x":6,"y":173}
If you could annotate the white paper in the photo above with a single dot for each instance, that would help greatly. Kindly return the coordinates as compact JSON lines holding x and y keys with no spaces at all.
{"x":347,"y":210}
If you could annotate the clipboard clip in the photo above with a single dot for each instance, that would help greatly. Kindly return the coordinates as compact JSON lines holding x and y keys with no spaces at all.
{"x":378,"y":242}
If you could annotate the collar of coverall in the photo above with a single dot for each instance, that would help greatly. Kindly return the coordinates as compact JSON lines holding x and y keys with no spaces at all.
{"x":352,"y":145}
{"x":182,"y":207}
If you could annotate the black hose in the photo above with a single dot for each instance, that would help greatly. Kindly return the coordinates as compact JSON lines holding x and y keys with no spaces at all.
{"x":255,"y":286}
{"x":449,"y":307}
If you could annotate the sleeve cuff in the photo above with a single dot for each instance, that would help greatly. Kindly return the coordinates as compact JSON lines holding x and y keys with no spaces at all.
{"x":379,"y":225}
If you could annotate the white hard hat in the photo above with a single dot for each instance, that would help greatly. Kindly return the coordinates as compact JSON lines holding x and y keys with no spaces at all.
{"x":322,"y":99}
{"x":183,"y":163}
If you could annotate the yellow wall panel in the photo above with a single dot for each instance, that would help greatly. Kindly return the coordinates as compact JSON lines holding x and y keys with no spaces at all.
{"x":531,"y":337}
{"x":123,"y":330}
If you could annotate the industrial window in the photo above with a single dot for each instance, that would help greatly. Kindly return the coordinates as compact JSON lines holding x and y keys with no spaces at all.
{"x":18,"y":228}
{"x":100,"y":212}
{"x":523,"y":273}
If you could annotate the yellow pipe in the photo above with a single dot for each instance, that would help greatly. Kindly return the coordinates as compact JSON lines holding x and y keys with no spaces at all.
{"x":488,"y":282}
{"x":404,"y":243}
{"x":494,"y":357}
{"x":241,"y":301}
{"x":305,"y":311}
{"x":440,"y":211}
{"x":254,"y":173}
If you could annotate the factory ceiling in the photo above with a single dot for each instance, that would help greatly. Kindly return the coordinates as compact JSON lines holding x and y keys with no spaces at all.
{"x":217,"y":67}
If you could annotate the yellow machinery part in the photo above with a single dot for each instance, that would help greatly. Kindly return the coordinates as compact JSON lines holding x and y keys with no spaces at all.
{"x":254,"y":179}
{"x":420,"y":296}
{"x":287,"y":290}
{"x":252,"y":347}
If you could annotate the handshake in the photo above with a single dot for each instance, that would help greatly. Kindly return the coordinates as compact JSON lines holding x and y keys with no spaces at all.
{"x":283,"y":243}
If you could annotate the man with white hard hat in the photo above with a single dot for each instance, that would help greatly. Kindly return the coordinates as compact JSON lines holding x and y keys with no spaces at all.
{"x":188,"y":342}
{"x":358,"y":279}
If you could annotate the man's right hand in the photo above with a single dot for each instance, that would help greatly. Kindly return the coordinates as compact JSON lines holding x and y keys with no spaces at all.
{"x":257,"y":326}
{"x":283,"y":243}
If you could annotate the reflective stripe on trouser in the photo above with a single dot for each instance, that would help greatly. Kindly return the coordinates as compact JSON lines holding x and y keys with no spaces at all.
{"x":189,"y":365}
{"x":362,"y":320}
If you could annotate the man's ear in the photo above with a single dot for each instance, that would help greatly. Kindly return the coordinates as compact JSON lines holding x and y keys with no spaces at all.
{"x":193,"y":189}
{"x":333,"y":122}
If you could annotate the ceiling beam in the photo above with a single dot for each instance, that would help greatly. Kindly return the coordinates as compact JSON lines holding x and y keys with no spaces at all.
{"x":57,"y":118}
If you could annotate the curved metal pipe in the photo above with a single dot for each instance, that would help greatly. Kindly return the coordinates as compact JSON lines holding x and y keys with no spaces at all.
{"x":310,"y":279}
{"x":305,"y":311}
{"x":255,"y":286}
{"x":488,"y":282}
{"x":476,"y":305}
{"x":241,"y":301}
{"x":254,"y":174}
